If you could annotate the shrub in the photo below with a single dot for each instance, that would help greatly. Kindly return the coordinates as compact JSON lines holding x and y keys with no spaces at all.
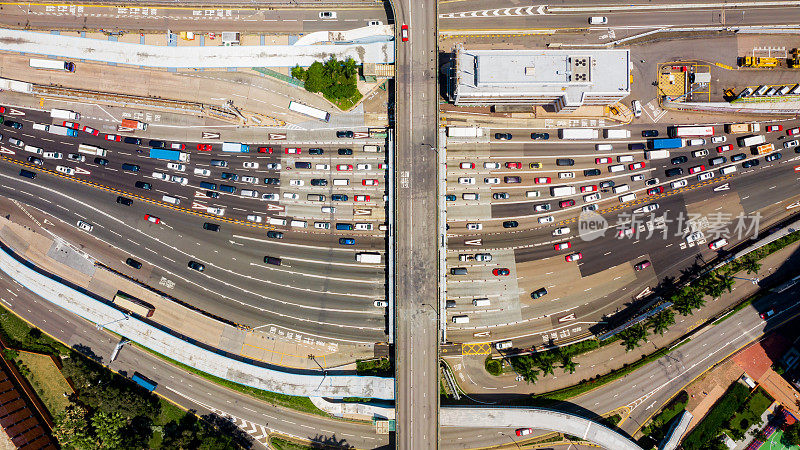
{"x":493,"y":366}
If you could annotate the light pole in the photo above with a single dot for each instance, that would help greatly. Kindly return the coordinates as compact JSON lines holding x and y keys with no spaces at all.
{"x":512,"y":439}
{"x":753,"y":280}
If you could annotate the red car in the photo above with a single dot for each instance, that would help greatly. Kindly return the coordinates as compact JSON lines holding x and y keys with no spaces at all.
{"x":362,"y":198}
{"x":91,"y":131}
{"x":696,"y":169}
{"x":542,"y":180}
{"x":113,"y":138}
{"x":150,"y":218}
{"x":73,"y":125}
{"x":501,"y":272}
{"x":724,"y":148}
{"x":562,"y":246}
{"x":573,"y":257}
{"x":524,"y":431}
{"x":636,"y":165}
{"x":513,"y":165}
{"x":204,"y":147}
{"x":2,"y":109}
{"x":404,"y":33}
{"x":602,"y":160}
{"x":793,"y":131}
{"x":589,"y":188}
{"x":655,"y":191}
{"x":775,"y":128}
{"x":566,"y":203}
{"x":344,"y":167}
{"x":265,"y":150}
{"x":369,"y":182}
{"x":292,"y":151}
{"x":467,"y":165}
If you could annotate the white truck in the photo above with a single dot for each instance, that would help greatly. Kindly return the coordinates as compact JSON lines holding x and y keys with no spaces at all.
{"x":656,"y":154}
{"x":464,"y":132}
{"x":616,"y":133}
{"x":92,"y":150}
{"x":561,"y":191}
{"x":368,"y":258}
{"x":64,"y":114}
{"x":61,"y":131}
{"x":578,"y":133}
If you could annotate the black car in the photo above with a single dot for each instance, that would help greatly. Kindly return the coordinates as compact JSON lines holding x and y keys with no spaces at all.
{"x":541,"y":292}
{"x":499,"y":195}
{"x":344,"y":134}
{"x":124,"y":201}
{"x":229,"y":176}
{"x":101,"y":161}
{"x":773,"y":157}
{"x":649,"y":133}
{"x":503,"y":136}
{"x":679,"y":160}
{"x":651,"y":182}
{"x":592,"y":172}
{"x":345,"y":151}
{"x":274,"y":234}
{"x":607,"y":184}
{"x":273,"y":181}
{"x":738,"y":157}
{"x":210,"y":226}
{"x":12,"y":124}
{"x":156,"y":143}
{"x":319,"y":182}
{"x":35,"y":160}
{"x":27,"y":174}
{"x":132,"y":140}
{"x":133,"y":263}
{"x":749,"y":164}
{"x":674,"y":172}
{"x":339,"y":197}
{"x":565,"y":162}
{"x":450,"y":197}
{"x":272,"y":260}
{"x":510,"y":224}
{"x":315,"y":151}
{"x":540,"y":136}
{"x":636,"y":146}
{"x":143,"y":185}
{"x":194,"y":265}
{"x":212,"y":194}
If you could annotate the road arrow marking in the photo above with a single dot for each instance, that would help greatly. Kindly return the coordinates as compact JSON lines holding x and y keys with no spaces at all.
{"x":567,"y":318}
{"x":47,"y":222}
{"x":276,"y":136}
{"x":722,"y":187}
{"x":362,"y":212}
{"x":7,"y":151}
{"x":360,"y":135}
{"x":540,"y":10}
{"x":199,"y":194}
{"x":197,"y":205}
{"x":643,"y":293}
{"x":78,"y":170}
{"x":210,"y":135}
{"x":271,"y":207}
{"x":16,"y":112}
{"x":481,"y":334}
{"x":793,"y":205}
{"x":473,"y":242}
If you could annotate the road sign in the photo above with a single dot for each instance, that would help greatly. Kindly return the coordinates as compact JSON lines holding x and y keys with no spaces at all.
{"x":271,"y":207}
{"x":7,"y":151}
{"x":197,"y":205}
{"x":210,"y":135}
{"x":567,"y":318}
{"x":473,"y":242}
{"x":360,"y":135}
{"x":276,"y":136}
{"x":362,"y":212}
{"x":15,"y":112}
{"x":78,"y":170}
{"x":722,"y":187}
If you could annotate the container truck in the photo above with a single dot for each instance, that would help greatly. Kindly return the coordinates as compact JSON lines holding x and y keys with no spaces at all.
{"x":665,"y":144}
{"x":143,"y":381}
{"x":560,"y":191}
{"x":656,"y":154}
{"x":92,"y":150}
{"x":610,"y":133}
{"x":464,"y":132}
{"x":64,"y":114}
{"x":578,"y":133}
{"x":51,"y":64}
{"x":169,"y":155}
{"x":135,"y":124}
{"x":61,"y":131}
{"x":764,"y":149}
{"x":681,"y":132}
{"x":368,"y":258}
{"x":743,"y":127}
{"x":236,"y":147}
{"x":749,"y":141}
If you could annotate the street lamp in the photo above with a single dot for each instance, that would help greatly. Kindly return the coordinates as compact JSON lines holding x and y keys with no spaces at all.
{"x":753,"y":280}
{"x":432,"y":307}
{"x":512,"y":439}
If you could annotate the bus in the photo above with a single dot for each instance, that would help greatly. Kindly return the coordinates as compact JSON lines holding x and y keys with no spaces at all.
{"x":675,"y":132}
{"x":309,"y":111}
{"x":143,"y":381}
{"x":51,"y":64}
{"x":133,"y":304}
{"x":749,"y":141}
{"x":578,"y":133}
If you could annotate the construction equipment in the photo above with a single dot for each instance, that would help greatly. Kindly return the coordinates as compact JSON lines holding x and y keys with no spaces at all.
{"x":794,"y":60}
{"x":749,"y":61}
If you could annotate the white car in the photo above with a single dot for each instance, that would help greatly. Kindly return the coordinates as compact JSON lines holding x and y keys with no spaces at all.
{"x":249,"y":179}
{"x":328,"y":209}
{"x":637,"y":177}
{"x":274,"y":166}
{"x":202,"y":172}
{"x":705,"y":176}
{"x":696,"y":236}
{"x":491,"y":180}
{"x":718,"y":139}
{"x":322,"y":225}
{"x":76,"y":157}
{"x":563,"y":175}
{"x":250,"y":165}
{"x":637,"y":108}
{"x":380,"y":303}
{"x":160,"y":176}
{"x":217,"y":211}
{"x":176,"y":166}
{"x":474,"y":226}
{"x":249,"y":193}
{"x":180,"y":180}
{"x":699,"y":153}
{"x":52,"y":155}
{"x":678,"y":184}
{"x":791,"y":144}
{"x":85,"y":226}
{"x":466,"y":180}
{"x":646,"y":208}
{"x":364,"y":166}
{"x":491,"y":165}
{"x":65,"y":170}
{"x":290,"y":196}
{"x":327,"y":15}
{"x":591,"y":197}
{"x":322,"y":167}
{"x":561,"y":231}
{"x":296,"y":182}
{"x":254,"y":218}
{"x":270,"y":197}
{"x":696,"y":141}
{"x":546,"y":219}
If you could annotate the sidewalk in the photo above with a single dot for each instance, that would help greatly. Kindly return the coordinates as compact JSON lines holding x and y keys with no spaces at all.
{"x":475,"y":379}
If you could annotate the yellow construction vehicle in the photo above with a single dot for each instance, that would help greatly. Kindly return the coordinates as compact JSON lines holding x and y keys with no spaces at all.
{"x":793,"y":61}
{"x":749,"y":61}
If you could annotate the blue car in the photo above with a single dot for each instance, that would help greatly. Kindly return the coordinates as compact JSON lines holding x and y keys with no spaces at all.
{"x":347,"y":241}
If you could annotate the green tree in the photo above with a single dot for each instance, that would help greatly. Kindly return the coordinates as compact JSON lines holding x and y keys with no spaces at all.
{"x":546,"y":362}
{"x":567,"y":363}
{"x":524,"y":366}
{"x":72,"y":428}
{"x":750,"y":264}
{"x":315,"y":78}
{"x":108,"y":429}
{"x":660,"y":322}
{"x":299,"y":73}
{"x":688,"y":299}
{"x":791,"y":434}
{"x":633,"y":336}
{"x":714,"y":284}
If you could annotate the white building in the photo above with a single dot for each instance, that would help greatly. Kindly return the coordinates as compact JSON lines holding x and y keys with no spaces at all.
{"x":565,"y":79}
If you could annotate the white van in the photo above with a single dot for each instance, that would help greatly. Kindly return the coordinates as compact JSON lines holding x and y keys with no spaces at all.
{"x":340,"y":182}
{"x":503,"y":345}
{"x":276,"y":221}
{"x":637,"y":108}
{"x":32,"y":149}
{"x":604,"y":147}
{"x":620,"y":188}
{"x":616,"y":168}
{"x":460,"y":319}
{"x":625,"y":158}
{"x":299,"y":223}
{"x":627,"y":197}
{"x":364,"y":226}
{"x":372,"y":148}
{"x":170,"y":199}
{"x":481,"y":302}
{"x":322,"y":225}
{"x":727,"y":170}
{"x":532,"y":194}
{"x":761,"y":89}
{"x":40,"y":127}
{"x":560,"y":191}
{"x":469,"y":196}
{"x":598,"y":20}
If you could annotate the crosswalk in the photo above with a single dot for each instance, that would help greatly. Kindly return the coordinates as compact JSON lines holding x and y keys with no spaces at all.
{"x":498,"y":12}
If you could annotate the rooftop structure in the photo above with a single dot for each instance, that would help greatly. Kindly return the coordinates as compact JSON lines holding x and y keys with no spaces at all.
{"x":565,"y":79}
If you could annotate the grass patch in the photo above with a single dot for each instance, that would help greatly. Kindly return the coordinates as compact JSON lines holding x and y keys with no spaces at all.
{"x":46,"y":379}
{"x":712,"y":425}
{"x":283,"y":444}
{"x":375,"y":367}
{"x":611,"y":421}
{"x":345,"y":103}
{"x":749,"y":414}
{"x":657,"y":428}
